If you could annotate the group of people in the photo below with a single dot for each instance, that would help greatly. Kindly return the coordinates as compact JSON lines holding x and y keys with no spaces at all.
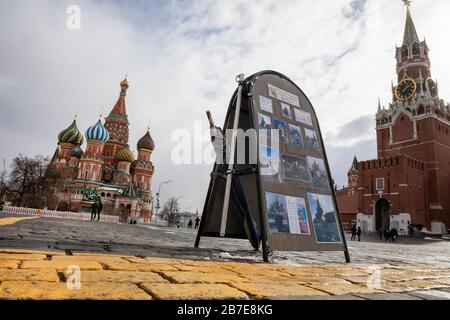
{"x":356,"y":231}
{"x":389,"y":234}
{"x":191,"y":223}
{"x":96,"y":209}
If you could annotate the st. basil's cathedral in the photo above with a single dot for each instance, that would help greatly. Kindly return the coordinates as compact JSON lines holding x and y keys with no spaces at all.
{"x":107,"y":167}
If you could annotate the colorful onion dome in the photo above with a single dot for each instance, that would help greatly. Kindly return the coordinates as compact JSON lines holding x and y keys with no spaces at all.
{"x":77,"y":152}
{"x":71,"y":134}
{"x":125,"y":155}
{"x":146,"y":142}
{"x":97,"y":132}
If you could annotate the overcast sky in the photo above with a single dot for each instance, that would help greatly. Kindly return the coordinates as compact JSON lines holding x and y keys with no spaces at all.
{"x":182,"y":58}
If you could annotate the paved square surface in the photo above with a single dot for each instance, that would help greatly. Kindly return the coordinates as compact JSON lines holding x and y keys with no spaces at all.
{"x":62,"y":259}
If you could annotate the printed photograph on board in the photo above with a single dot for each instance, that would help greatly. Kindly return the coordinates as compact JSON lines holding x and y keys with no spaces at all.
{"x":283,"y":95}
{"x":324,"y":218}
{"x":286,"y":111}
{"x":295,"y":135}
{"x":277,"y":213}
{"x":311,"y":140}
{"x":287,"y":214}
{"x":303,"y":117}
{"x":281,"y":126}
{"x":265,"y":104}
{"x":318,"y":173}
{"x":298,"y":216}
{"x":269,"y":159}
{"x":265,"y":125}
{"x":295,"y":168}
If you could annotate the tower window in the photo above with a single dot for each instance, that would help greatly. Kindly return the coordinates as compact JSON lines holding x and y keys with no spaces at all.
{"x":416,"y":49}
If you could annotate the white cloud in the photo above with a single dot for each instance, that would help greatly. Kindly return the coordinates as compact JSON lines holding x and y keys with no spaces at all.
{"x":182,"y":58}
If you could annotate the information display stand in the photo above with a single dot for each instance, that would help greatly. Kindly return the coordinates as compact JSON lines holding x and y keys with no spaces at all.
{"x":288,"y":186}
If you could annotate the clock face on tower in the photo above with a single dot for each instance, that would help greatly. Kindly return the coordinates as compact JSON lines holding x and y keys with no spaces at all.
{"x":431,"y":86}
{"x":406,"y":89}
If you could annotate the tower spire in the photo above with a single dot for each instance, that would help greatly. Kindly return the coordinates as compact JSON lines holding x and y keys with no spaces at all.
{"x":410,"y":36}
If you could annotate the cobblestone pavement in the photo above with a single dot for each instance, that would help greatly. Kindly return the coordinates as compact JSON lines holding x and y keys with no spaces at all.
{"x":138,"y":262}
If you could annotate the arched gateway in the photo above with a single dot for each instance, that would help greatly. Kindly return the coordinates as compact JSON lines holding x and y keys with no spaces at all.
{"x":382,"y":211}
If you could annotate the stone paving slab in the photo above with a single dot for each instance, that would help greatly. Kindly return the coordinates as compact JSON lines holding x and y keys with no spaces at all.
{"x":268,"y":290}
{"x":431,"y":295}
{"x":9,"y":264}
{"x":412,"y":285}
{"x":144,"y":267}
{"x":172,"y":291}
{"x":62,"y":264}
{"x":91,"y":276}
{"x":344,"y":289}
{"x":37,"y":290}
{"x":29,"y":275}
{"x":388,"y":296}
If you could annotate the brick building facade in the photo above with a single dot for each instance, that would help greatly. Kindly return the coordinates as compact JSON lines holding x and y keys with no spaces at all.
{"x":409,"y":181}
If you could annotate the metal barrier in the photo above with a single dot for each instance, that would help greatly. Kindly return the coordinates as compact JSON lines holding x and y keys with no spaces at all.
{"x":58,"y":214}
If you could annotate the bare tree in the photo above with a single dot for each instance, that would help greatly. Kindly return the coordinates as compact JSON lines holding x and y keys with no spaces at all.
{"x":31,"y":183}
{"x":171,"y":211}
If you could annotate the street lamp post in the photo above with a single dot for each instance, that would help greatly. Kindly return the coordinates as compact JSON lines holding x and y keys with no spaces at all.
{"x":157,"y":199}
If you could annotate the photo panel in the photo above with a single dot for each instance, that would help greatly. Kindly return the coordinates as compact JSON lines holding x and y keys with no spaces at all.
{"x":269,"y":159}
{"x":281,"y":126}
{"x":298,"y":216}
{"x":295,"y":135}
{"x":287,"y":214}
{"x":277,"y":211}
{"x":286,"y":111}
{"x":318,"y":173}
{"x":311,"y":140}
{"x":265,"y":125}
{"x":324,"y":220}
{"x":295,"y":168}
{"x":265,"y":104}
{"x":303,"y":117}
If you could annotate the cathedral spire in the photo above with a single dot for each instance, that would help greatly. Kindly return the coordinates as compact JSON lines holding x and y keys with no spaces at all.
{"x":354,"y":164}
{"x":119,"y":108}
{"x":410,"y":36}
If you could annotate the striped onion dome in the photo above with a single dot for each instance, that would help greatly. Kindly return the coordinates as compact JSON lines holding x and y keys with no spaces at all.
{"x":97,"y":132}
{"x":125,"y":155}
{"x":71,"y":134}
{"x":76,"y":152}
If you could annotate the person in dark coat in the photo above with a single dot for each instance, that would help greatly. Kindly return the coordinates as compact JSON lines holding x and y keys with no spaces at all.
{"x":358,"y":232}
{"x":353,"y":232}
{"x":99,"y":208}
{"x":197,"y":223}
{"x":380,"y":233}
{"x":93,"y":210}
{"x":190,"y":223}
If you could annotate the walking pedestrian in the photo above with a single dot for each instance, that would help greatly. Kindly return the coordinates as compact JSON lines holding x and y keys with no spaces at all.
{"x":93,"y":210}
{"x":197,"y":222}
{"x":380,"y":233}
{"x":99,"y":208}
{"x":359,"y":231}
{"x":353,"y":232}
{"x":190,"y":223}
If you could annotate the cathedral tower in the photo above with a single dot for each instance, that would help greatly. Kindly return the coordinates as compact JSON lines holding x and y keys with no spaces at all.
{"x":91,"y":161}
{"x":117,"y":125}
{"x":143,"y":167}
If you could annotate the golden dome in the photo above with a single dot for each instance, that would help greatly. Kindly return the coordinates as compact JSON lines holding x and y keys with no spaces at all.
{"x":125,"y":155}
{"x":124,"y":83}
